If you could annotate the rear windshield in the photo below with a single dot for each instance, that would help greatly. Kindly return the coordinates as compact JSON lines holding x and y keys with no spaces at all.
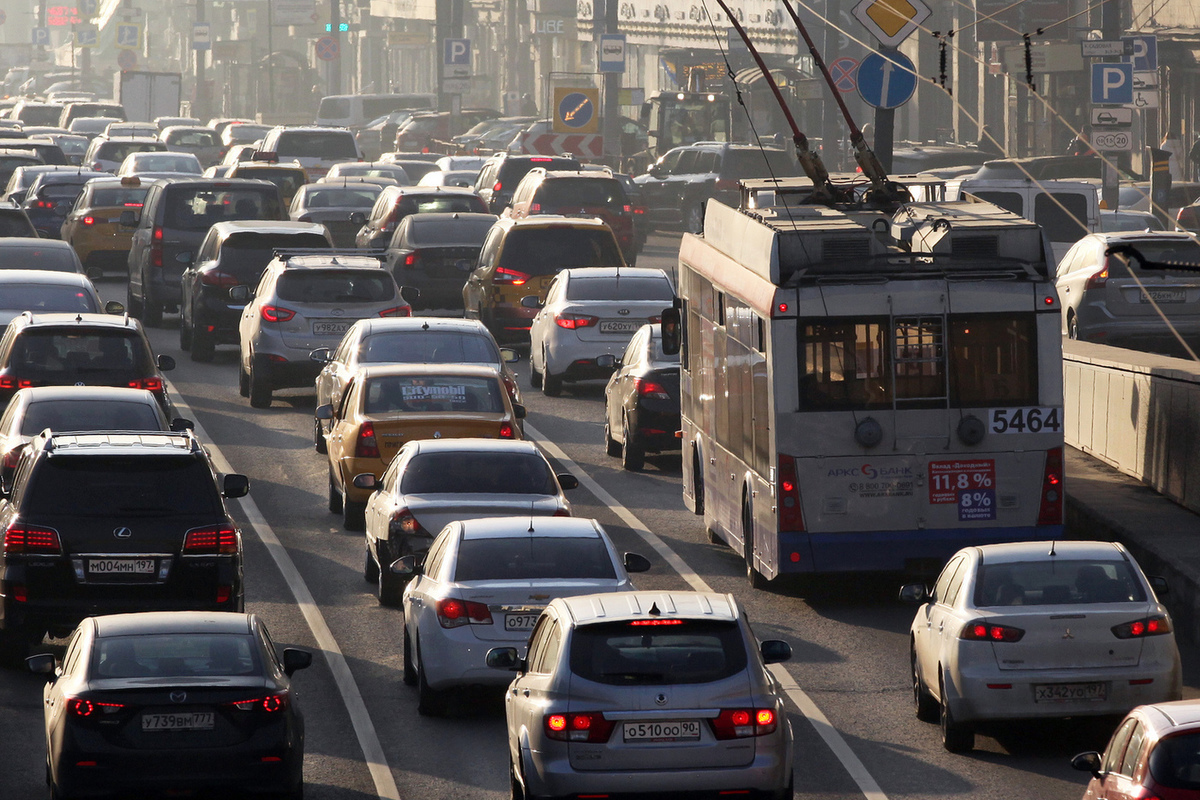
{"x":1184,"y":251}
{"x":428,"y":347}
{"x":40,"y":115}
{"x":15,"y":225}
{"x":45,"y":297}
{"x":488,"y":473}
{"x":124,"y":487}
{"x":51,"y":258}
{"x":89,"y":415}
{"x":60,"y":188}
{"x":526,"y":558}
{"x":334,"y":108}
{"x":415,"y":170}
{"x":192,"y":138}
{"x":582,"y":192}
{"x":257,"y":249}
{"x":58,"y":354}
{"x":166,"y":162}
{"x":179,"y":655}
{"x":1057,"y":582}
{"x":544,"y":251}
{"x":288,"y":181}
{"x":341,"y":198}
{"x":336,"y":286}
{"x":620,"y":289}
{"x":464,"y":230}
{"x":130,"y":197}
{"x":118,"y":151}
{"x":513,"y":169}
{"x":243,"y":133}
{"x":739,"y":164}
{"x":1175,"y":762}
{"x":650,"y":652}
{"x":464,"y":203}
{"x":433,"y":394}
{"x":304,"y":144}
{"x":198,"y":208}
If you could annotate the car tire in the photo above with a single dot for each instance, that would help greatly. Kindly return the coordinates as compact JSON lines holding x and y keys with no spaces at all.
{"x":633,"y":452}
{"x":370,"y":567}
{"x":430,"y":702}
{"x":185,"y":335}
{"x":788,"y":792}
{"x":612,"y":447}
{"x":319,"y":443}
{"x":391,"y":585}
{"x":354,"y":515}
{"x":1072,"y":327}
{"x":335,"y":497}
{"x":515,"y":790}
{"x":753,"y":576}
{"x":259,"y":388}
{"x":535,"y":377}
{"x":58,"y":794}
{"x":551,"y":384}
{"x":923,"y":702}
{"x":203,"y":346}
{"x":698,"y":483}
{"x":957,"y":737}
{"x":243,"y":380}
{"x":410,"y":669}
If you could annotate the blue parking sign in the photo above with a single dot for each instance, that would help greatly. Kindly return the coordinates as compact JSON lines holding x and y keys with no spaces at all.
{"x":1145,"y":52}
{"x":1112,"y":84}
{"x":129,"y":35}
{"x":40,"y":36}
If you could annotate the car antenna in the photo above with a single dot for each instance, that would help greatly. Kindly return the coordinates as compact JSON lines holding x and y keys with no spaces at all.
{"x":654,"y":611}
{"x":531,"y":508}
{"x":425,"y":325}
{"x":1052,"y":548}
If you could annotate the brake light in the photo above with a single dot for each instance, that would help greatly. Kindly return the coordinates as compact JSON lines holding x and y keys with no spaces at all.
{"x":1051,"y":511}
{"x":535,"y":208}
{"x":497,"y":187}
{"x":269,"y":704}
{"x":574,"y":322}
{"x":641,"y":623}
{"x":454,"y":613}
{"x":213,"y":540}
{"x":983,"y":631}
{"x":507,"y":431}
{"x":89,"y":220}
{"x":217,"y":278}
{"x":9,"y":382}
{"x":1159,"y":625}
{"x":791,"y":516}
{"x":652,"y":389}
{"x":639,"y":210}
{"x":740,"y":723}
{"x":411,"y":259}
{"x":31,"y":539}
{"x":366,"y":446}
{"x":151,"y":384}
{"x":276,"y":313}
{"x":78,"y":707}
{"x":511,"y":276}
{"x":98,"y":167}
{"x":1097,"y":280}
{"x":397,"y":311}
{"x":579,"y":726}
{"x":156,"y":247}
{"x":403,"y":520}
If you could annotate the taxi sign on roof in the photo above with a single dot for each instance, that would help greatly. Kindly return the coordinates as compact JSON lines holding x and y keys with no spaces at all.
{"x":891,"y":21}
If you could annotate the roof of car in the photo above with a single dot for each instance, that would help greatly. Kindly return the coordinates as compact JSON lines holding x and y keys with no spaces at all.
{"x":224,"y":229}
{"x":128,"y":139}
{"x":152,"y":622}
{"x":615,"y":272}
{"x":48,"y":276}
{"x":1170,"y":715}
{"x":101,"y":443}
{"x":368,"y":371}
{"x":518,"y":526}
{"x":1135,"y":236}
{"x":458,"y":191}
{"x":623,"y":606}
{"x":74,"y":319}
{"x":390,"y":324}
{"x":290,"y":166}
{"x":21,"y":242}
{"x":312,"y":129}
{"x":1022,"y":551}
{"x":37,"y":394}
{"x":331,"y":262}
{"x":474,"y":445}
{"x":553,"y":221}
{"x":590,"y":174}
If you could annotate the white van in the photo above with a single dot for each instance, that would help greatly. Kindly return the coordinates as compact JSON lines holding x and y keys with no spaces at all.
{"x":314,"y":148}
{"x":356,"y":110}
{"x":1067,"y":210}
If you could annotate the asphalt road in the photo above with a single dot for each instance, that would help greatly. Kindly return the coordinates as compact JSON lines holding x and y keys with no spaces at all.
{"x":857,"y":738}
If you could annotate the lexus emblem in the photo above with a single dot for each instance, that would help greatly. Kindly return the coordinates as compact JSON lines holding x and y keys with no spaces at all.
{"x":660,"y":699}
{"x":122,"y":533}
{"x":623,"y":311}
{"x":178,"y":697}
{"x":1068,"y":634}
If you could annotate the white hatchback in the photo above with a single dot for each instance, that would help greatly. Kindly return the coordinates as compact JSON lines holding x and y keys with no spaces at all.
{"x":1039,"y":630}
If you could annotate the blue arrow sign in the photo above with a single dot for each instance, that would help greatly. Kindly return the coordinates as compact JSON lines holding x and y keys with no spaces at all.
{"x":1112,"y":84}
{"x":886,"y":81}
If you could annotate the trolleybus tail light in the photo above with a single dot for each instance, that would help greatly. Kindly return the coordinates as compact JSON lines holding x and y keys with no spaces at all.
{"x":579,"y":726}
{"x":791,"y":517}
{"x":983,"y":631}
{"x":1051,"y":512}
{"x":740,"y":723}
{"x":454,"y":613}
{"x":366,"y":446}
{"x":1158,"y":625}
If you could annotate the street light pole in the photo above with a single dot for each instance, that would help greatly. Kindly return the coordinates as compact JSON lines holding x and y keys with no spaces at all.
{"x":200,"y":108}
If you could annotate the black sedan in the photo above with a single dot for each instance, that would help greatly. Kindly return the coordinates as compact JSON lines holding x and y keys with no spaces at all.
{"x":172,"y":702}
{"x":435,"y":253}
{"x":641,"y":400}
{"x":332,"y":202}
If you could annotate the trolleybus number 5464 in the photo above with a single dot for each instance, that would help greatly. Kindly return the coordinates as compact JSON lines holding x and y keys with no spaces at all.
{"x":1025,"y":420}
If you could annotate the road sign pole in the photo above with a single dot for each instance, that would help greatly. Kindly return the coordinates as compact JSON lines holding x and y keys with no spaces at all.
{"x":200,"y":109}
{"x":335,"y":32}
{"x":611,"y":122}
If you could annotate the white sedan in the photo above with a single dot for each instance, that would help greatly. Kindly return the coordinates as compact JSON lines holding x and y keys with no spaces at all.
{"x":589,"y":316}
{"x":484,"y":584}
{"x":1039,"y":630}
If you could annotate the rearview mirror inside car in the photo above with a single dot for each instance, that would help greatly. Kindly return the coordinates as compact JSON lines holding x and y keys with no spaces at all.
{"x":775,"y":650}
{"x":234,"y":485}
{"x":129,"y":219}
{"x":567,"y":481}
{"x":636,"y":562}
{"x":505,"y":658}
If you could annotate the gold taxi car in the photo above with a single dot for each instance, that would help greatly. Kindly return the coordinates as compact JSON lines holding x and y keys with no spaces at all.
{"x":288,"y":177}
{"x":93,"y":227}
{"x":521,"y":256}
{"x":385,"y":406}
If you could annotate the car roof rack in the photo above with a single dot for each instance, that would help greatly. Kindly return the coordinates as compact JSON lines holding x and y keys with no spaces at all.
{"x":286,"y":253}
{"x":48,"y":437}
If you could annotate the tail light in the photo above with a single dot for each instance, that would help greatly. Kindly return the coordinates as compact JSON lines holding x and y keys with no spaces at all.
{"x":740,"y":723}
{"x":397,"y":311}
{"x":579,"y":726}
{"x":404,"y":521}
{"x":13,"y":457}
{"x":725,"y":184}
{"x":1098,"y":280}
{"x":627,"y":209}
{"x":90,"y":709}
{"x":510,"y":386}
{"x":213,"y":540}
{"x":639,"y":210}
{"x":276,"y":313}
{"x":217,"y":278}
{"x":1159,"y":625}
{"x":535,"y":208}
{"x":454,"y":613}
{"x":270,"y":704}
{"x":1051,"y":512}
{"x":511,"y":276}
{"x":791,"y":516}
{"x":156,"y":247}
{"x":98,"y":167}
{"x":411,"y":260}
{"x":507,"y":431}
{"x":574,"y":322}
{"x":32,"y":539}
{"x":652,"y":389}
{"x":983,"y":631}
{"x":9,"y":382}
{"x":366,"y":446}
{"x":43,"y":204}
{"x":89,"y":220}
{"x":498,"y":186}
{"x":154,"y":384}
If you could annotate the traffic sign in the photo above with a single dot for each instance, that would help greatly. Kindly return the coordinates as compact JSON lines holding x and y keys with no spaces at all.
{"x":1101,"y":48}
{"x":129,"y":35}
{"x":40,"y":36}
{"x":891,"y":21}
{"x":1145,"y":51}
{"x":886,"y":81}
{"x":1145,"y":80}
{"x":86,"y":35}
{"x":327,"y":48}
{"x":456,"y":85}
{"x":1111,"y":116}
{"x":576,"y":110}
{"x":1144,"y":98}
{"x":127,"y":59}
{"x":842,"y":71}
{"x":456,"y":58}
{"x":3,"y":16}
{"x":201,"y":36}
{"x":1112,"y":84}
{"x":1112,"y":141}
{"x":612,"y":52}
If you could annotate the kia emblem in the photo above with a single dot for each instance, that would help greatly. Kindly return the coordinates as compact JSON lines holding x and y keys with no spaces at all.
{"x":122,"y":533}
{"x":178,"y":697}
{"x":623,"y":312}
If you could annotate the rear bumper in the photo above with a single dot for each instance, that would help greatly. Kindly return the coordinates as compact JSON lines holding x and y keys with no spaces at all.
{"x":220,"y":314}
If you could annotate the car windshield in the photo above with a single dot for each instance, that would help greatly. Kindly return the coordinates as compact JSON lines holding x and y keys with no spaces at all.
{"x":55,"y":259}
{"x":650,"y":652}
{"x":123,"y":487}
{"x":89,"y":415}
{"x":424,"y":394}
{"x":336,"y":286}
{"x":544,"y":251}
{"x":180,"y":655}
{"x":428,"y":347}
{"x":524,"y":558}
{"x":311,"y":144}
{"x":192,"y":138}
{"x":617,"y":288}
{"x":46,"y":297}
{"x":1057,"y":582}
{"x":341,"y":198}
{"x":118,"y":197}
{"x":198,"y":208}
{"x":582,"y":192}
{"x":478,"y":473}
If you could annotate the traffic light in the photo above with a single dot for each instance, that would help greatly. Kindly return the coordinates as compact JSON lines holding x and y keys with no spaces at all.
{"x":343,"y":27}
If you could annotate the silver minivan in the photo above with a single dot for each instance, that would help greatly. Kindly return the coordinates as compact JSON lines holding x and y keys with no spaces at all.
{"x":356,"y":110}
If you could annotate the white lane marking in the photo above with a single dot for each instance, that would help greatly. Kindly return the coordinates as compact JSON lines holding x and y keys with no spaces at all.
{"x":364,"y":729}
{"x":833,"y":739}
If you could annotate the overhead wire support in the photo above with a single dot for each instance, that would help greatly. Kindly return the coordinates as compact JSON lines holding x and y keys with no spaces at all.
{"x":943,"y":41}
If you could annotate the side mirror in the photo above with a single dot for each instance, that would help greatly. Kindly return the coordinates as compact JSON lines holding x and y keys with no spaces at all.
{"x":365,"y":480}
{"x":775,"y":650}
{"x":358,"y":218}
{"x":505,"y":658}
{"x":179,"y":424}
{"x":324,"y":411}
{"x":42,"y":664}
{"x":672,"y":337}
{"x":165,"y":363}
{"x":321,"y":355}
{"x":410,"y":293}
{"x":636,"y":562}
{"x":1088,"y":762}
{"x":95,"y":274}
{"x":114,"y":307}
{"x":129,"y":219}
{"x":295,"y":659}
{"x":567,"y":481}
{"x":531,"y":301}
{"x":1159,"y":584}
{"x":519,"y":411}
{"x":509,"y":356}
{"x":607,"y":361}
{"x":234,"y":485}
{"x":186,"y":257}
{"x":914,"y":593}
{"x":240,"y":294}
{"x":405,"y":565}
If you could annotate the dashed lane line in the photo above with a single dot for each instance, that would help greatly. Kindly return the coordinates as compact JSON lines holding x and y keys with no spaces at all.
{"x":833,"y":739}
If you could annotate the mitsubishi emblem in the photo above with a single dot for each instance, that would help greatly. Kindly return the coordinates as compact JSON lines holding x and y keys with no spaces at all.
{"x":660,"y":699}
{"x":122,"y":533}
{"x":178,"y":697}
{"x":1068,"y":634}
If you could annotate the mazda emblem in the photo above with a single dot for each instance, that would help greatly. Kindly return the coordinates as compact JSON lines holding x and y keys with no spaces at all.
{"x":178,"y":697}
{"x":122,"y":533}
{"x":660,"y":699}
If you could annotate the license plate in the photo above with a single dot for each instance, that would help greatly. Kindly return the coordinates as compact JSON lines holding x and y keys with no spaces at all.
{"x":330,"y":328}
{"x":619,"y":326}
{"x":1069,"y":692}
{"x":192,"y":721}
{"x":685,"y":730}
{"x":520,"y":622}
{"x":121,"y":566}
{"x":1164,"y":296}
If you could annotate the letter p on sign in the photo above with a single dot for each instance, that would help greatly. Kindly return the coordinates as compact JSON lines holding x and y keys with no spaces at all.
{"x":1112,"y":84}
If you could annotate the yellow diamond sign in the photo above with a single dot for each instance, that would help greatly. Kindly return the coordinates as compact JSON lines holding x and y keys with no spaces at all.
{"x":891,"y":21}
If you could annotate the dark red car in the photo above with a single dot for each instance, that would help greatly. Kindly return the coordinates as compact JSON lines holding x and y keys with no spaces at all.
{"x":578,"y":193}
{"x":1155,"y":753}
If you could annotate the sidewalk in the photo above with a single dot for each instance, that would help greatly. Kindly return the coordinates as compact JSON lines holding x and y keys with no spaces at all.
{"x":1102,"y":503}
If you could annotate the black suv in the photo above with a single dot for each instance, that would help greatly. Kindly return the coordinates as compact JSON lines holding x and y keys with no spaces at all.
{"x":676,"y":187}
{"x":500,"y":174}
{"x":113,"y":522}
